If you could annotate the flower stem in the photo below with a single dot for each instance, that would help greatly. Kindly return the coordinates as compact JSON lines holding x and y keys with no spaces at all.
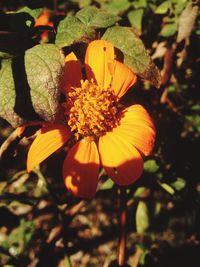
{"x":122,"y":224}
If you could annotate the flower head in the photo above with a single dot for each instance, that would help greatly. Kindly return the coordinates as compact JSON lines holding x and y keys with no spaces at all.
{"x":105,"y":134}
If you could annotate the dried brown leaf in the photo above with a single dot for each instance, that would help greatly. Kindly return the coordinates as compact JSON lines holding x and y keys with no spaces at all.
{"x":187,"y":21}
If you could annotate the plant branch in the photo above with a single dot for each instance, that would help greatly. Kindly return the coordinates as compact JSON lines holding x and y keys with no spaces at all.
{"x":122,"y":224}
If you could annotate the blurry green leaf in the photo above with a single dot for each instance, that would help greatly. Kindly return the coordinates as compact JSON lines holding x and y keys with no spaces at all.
{"x":169,"y":30}
{"x":117,"y":6}
{"x":94,"y":17}
{"x":179,"y":184}
{"x":163,"y":8}
{"x":139,"y":191}
{"x":19,"y":238}
{"x":179,"y":7}
{"x":139,"y":4}
{"x":82,"y":3}
{"x":5,"y":55}
{"x":171,"y":89}
{"x":108,"y":184}
{"x":196,"y":107}
{"x":135,"y":54}
{"x":32,"y":12}
{"x":142,"y":218}
{"x":71,"y":30}
{"x":157,"y":208}
{"x":194,"y":120}
{"x":151,"y":166}
{"x":143,"y":257}
{"x":44,"y":67}
{"x":168,"y":188}
{"x":135,"y":18}
{"x":66,"y":262}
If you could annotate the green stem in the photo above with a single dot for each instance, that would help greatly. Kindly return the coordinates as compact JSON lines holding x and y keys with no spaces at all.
{"x":122,"y":228}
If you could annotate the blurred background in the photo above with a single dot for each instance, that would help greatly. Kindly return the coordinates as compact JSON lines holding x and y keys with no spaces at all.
{"x":41,"y":224}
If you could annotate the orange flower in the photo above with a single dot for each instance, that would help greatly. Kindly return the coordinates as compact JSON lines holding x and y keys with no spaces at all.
{"x":105,"y":134}
{"x":44,"y":20}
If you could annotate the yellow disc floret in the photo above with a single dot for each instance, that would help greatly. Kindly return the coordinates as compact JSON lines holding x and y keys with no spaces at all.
{"x":91,"y":110}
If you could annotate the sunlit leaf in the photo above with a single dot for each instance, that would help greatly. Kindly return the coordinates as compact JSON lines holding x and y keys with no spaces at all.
{"x":44,"y":68}
{"x":169,"y":29}
{"x":135,"y":54}
{"x":163,"y":8}
{"x":139,"y":4}
{"x":135,"y":18}
{"x":108,"y":184}
{"x":168,"y":188}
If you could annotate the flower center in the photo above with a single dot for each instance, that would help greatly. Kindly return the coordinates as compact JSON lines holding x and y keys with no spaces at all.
{"x":91,"y":110}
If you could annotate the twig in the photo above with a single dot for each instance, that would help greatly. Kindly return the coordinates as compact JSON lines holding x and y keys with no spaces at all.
{"x":122,"y":231}
{"x":12,"y":139}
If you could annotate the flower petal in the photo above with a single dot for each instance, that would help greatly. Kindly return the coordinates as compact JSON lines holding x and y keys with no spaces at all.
{"x":72,"y":73}
{"x":44,"y":19}
{"x":98,"y":54}
{"x":81,"y":168}
{"x":122,"y":77}
{"x":51,"y":138}
{"x":121,"y":161}
{"x":137,"y":128}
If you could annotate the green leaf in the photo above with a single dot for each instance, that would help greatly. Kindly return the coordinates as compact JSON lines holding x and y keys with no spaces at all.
{"x":5,"y":55}
{"x":139,"y":4}
{"x":71,"y":30}
{"x":135,"y":18}
{"x":135,"y":54}
{"x":7,"y":94}
{"x":142,"y":218}
{"x":29,"y":85}
{"x":139,"y":191}
{"x":19,"y":238}
{"x":44,"y":67}
{"x":83,"y":3}
{"x":179,"y":184}
{"x":196,"y":107}
{"x":163,"y":8}
{"x":34,"y":13}
{"x":167,"y":188}
{"x":94,"y":17}
{"x":108,"y":184}
{"x":117,"y":6}
{"x":169,"y":29}
{"x":151,"y":166}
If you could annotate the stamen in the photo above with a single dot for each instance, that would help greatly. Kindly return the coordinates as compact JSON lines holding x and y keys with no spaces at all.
{"x":91,"y":110}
